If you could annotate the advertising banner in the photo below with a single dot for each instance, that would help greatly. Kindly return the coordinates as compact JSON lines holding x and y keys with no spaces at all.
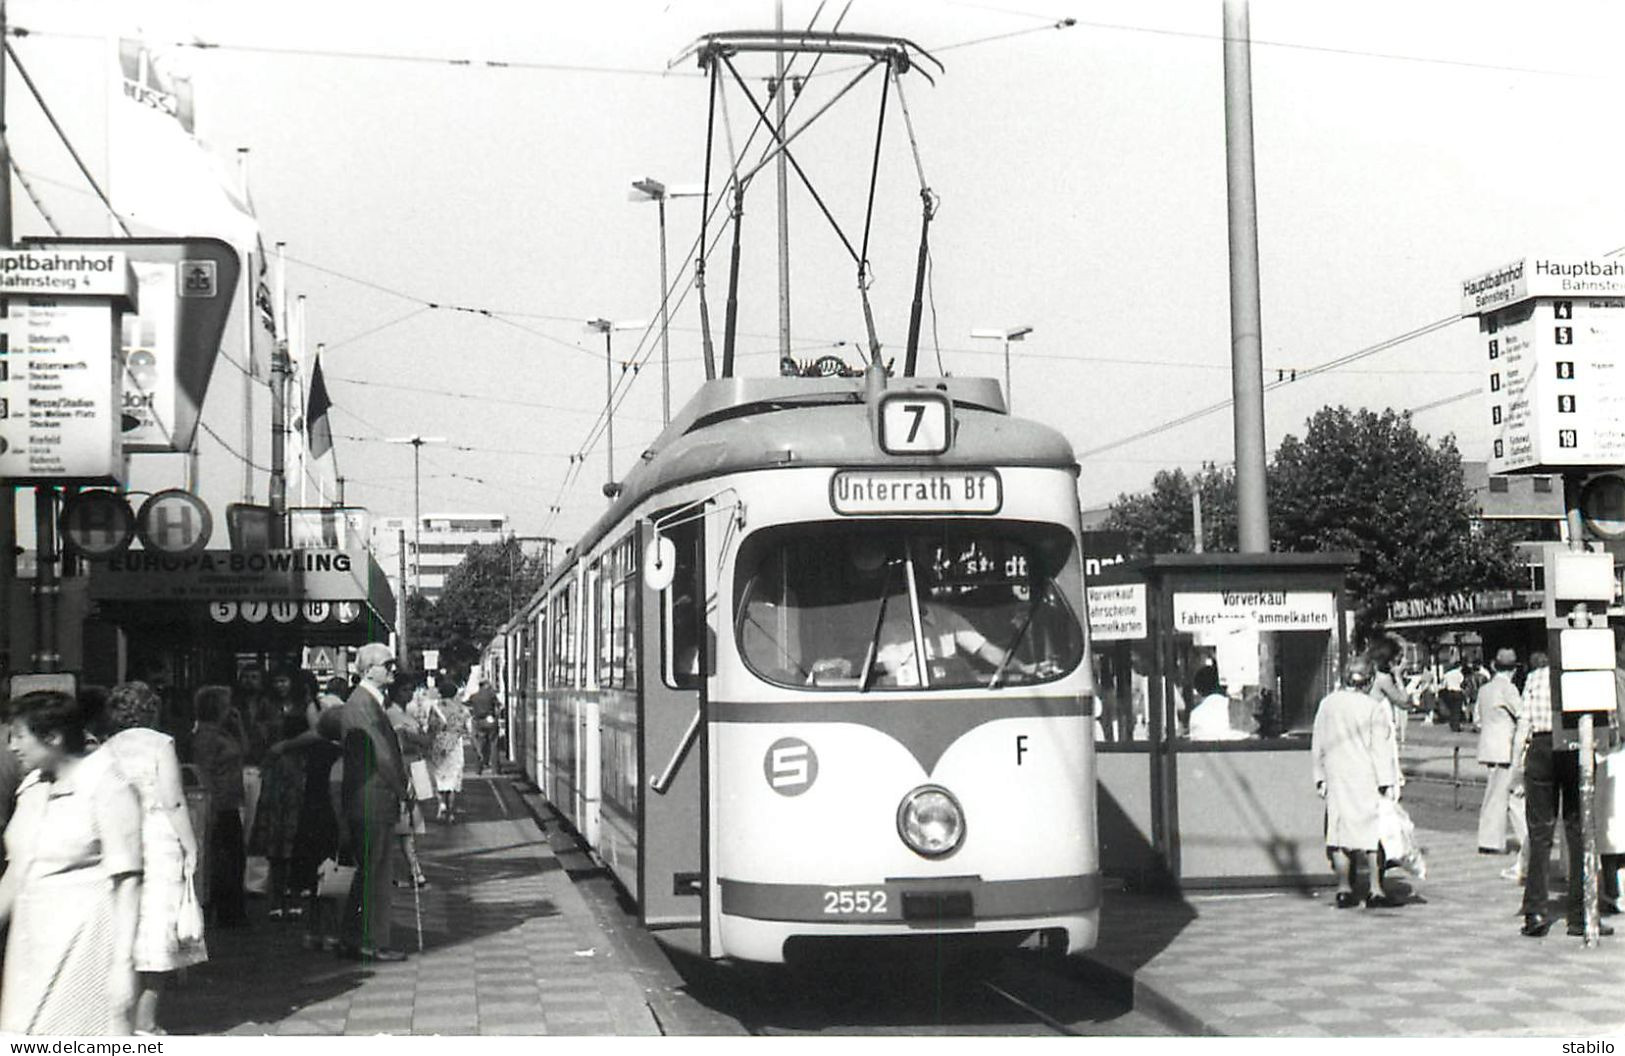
{"x":171,"y":343}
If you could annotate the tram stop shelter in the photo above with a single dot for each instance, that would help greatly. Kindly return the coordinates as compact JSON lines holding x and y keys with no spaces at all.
{"x":1234,"y":805}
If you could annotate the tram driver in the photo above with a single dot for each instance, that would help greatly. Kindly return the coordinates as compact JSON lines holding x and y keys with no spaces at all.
{"x":951,"y":642}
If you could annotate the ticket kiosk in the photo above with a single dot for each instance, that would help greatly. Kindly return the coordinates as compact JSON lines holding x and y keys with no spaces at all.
{"x":1246,"y":645}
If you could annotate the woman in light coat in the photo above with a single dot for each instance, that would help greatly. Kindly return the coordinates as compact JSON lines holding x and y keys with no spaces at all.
{"x":1354,"y":769}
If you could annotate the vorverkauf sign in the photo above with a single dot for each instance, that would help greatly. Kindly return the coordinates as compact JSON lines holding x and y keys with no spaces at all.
{"x":1263,"y":610}
{"x":1117,"y":612}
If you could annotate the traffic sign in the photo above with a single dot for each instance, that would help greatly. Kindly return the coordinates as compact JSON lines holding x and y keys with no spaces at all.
{"x":97,"y":523}
{"x":174,"y":522}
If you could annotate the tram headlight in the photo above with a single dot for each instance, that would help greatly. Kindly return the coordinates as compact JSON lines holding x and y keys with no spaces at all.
{"x":931,"y":822}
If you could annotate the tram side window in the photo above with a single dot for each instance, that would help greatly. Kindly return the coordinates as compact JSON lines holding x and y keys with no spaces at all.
{"x":615,"y":580}
{"x":683,"y":611}
{"x":562,"y":666}
{"x":538,"y":652}
{"x":602,"y":577}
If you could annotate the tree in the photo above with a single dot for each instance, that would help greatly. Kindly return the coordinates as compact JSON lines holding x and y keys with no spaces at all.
{"x":481,"y":594}
{"x":1160,"y":521}
{"x":1369,"y":482}
{"x":1359,"y":481}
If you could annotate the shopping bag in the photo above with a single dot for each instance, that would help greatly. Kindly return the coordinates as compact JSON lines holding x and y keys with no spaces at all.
{"x":335,"y":879}
{"x":1610,"y":802}
{"x":1396,"y":835}
{"x":422,"y":783}
{"x":189,"y":915}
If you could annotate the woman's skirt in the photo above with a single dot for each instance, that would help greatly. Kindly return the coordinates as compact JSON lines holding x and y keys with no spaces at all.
{"x":59,"y":958}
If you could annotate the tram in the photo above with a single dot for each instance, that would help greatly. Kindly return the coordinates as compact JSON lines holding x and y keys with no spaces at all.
{"x":821,"y":672}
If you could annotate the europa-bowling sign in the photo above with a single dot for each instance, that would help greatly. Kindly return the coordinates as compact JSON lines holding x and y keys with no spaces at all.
{"x":60,"y":365}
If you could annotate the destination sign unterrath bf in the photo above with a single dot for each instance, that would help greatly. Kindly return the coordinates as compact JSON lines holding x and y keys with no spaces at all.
{"x":856,"y":493}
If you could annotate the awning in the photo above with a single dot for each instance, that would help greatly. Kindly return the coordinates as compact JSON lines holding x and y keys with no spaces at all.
{"x":271,"y":597}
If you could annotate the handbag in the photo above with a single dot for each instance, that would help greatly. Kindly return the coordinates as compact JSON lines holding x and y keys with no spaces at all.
{"x":335,"y":879}
{"x":422,"y":782}
{"x":189,"y":915}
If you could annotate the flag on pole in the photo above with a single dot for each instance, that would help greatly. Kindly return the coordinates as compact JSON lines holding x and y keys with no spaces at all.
{"x":318,"y":431}
{"x":160,"y":175}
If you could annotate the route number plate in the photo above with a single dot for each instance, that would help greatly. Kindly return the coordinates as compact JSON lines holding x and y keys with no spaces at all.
{"x":915,"y":424}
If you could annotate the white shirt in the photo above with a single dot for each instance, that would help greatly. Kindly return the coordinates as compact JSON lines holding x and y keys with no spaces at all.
{"x":1210,"y":720}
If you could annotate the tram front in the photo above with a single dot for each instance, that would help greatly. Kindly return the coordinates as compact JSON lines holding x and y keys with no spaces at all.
{"x":900,"y":738}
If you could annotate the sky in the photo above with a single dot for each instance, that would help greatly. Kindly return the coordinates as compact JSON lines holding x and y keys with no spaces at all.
{"x":478,"y":157}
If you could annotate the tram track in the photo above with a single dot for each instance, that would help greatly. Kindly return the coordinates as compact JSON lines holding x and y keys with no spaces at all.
{"x":853,"y":993}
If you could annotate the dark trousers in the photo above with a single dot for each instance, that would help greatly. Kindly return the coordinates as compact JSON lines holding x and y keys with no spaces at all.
{"x":485,"y":743}
{"x":366,"y":912}
{"x":1452,"y":703}
{"x":1552,"y":780}
{"x":226,"y":863}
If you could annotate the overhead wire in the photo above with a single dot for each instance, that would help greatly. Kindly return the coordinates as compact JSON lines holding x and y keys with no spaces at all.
{"x":62,"y":135}
{"x":1308,"y":372}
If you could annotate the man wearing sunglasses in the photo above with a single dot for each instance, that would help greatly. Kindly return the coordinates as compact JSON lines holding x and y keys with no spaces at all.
{"x":374,"y":785}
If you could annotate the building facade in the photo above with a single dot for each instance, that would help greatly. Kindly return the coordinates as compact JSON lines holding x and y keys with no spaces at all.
{"x":426,"y":557}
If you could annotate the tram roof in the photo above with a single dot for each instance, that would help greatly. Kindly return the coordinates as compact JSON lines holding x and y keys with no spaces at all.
{"x":737,"y":424}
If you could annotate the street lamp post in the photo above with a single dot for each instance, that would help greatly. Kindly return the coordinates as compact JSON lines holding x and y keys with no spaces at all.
{"x":607,"y":328}
{"x":656,"y":192}
{"x":1007,"y":335}
{"x":650,"y":189}
{"x":417,"y":443}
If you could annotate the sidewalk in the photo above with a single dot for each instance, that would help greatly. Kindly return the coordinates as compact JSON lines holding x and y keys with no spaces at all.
{"x":511,"y":947}
{"x":1435,"y":752}
{"x":1449,"y":963}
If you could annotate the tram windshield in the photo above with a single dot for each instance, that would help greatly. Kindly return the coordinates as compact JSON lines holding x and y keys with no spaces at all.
{"x":875,"y":608}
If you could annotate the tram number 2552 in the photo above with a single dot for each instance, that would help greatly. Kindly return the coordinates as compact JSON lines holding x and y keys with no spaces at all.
{"x":847,"y":903}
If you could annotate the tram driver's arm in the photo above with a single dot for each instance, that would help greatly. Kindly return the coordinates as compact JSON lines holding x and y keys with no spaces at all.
{"x":973,"y":643}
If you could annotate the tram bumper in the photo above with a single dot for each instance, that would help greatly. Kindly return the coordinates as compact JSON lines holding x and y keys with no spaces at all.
{"x":757,"y":919}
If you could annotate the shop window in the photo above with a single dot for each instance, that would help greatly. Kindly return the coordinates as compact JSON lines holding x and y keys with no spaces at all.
{"x":1498,"y":485}
{"x":1543,"y":485}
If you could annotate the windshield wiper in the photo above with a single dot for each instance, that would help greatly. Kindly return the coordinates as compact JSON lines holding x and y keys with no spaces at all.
{"x":1010,"y":653}
{"x":873,"y":651}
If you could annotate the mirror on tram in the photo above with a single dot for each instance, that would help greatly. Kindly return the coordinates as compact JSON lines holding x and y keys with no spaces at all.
{"x":659,"y":563}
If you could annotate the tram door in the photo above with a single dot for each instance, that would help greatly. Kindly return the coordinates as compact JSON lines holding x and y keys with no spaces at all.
{"x":671,"y":757}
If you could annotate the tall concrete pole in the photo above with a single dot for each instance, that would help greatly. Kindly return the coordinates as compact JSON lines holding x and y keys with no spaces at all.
{"x":8,"y":494}
{"x":1246,"y":328}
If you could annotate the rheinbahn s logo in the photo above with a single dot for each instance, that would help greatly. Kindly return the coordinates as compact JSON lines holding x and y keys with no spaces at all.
{"x":791,"y":766}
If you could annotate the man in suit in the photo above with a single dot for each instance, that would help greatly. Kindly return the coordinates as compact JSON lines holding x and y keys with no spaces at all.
{"x":1499,"y":706}
{"x":374,"y":786}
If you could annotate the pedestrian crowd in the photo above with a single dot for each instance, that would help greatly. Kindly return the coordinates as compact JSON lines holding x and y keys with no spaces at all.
{"x":1529,"y":781}
{"x":134,"y":825}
